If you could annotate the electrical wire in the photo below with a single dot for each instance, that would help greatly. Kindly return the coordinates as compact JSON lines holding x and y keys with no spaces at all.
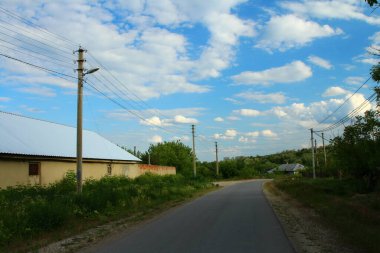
{"x":352,"y":114}
{"x":328,"y":116}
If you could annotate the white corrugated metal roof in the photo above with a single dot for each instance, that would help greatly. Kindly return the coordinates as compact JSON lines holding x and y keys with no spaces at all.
{"x":27,"y":136}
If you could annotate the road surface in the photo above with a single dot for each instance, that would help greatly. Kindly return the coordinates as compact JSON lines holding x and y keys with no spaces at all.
{"x":234,"y":219}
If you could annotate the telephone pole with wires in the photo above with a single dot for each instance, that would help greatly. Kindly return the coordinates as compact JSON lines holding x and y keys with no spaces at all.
{"x":194,"y":163}
{"x":324,"y":148}
{"x":81,"y":73}
{"x":216,"y":159}
{"x":312,"y":152}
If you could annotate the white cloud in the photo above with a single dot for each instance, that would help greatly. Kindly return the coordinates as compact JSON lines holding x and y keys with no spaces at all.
{"x":334,"y":91}
{"x":155,"y":121}
{"x":31,"y":109}
{"x":184,"y":120}
{"x":243,"y":139}
{"x":229,"y":134}
{"x":4,"y":99}
{"x":375,"y":39}
{"x":143,"y":41}
{"x":337,"y":9}
{"x":369,"y":60}
{"x":354,"y":80}
{"x":320,"y":62}
{"x":293,"y":72}
{"x":233,"y":118}
{"x":156,"y":139}
{"x":218,"y":119}
{"x":41,"y":91}
{"x":288,"y":31}
{"x":276,"y":98}
{"x":253,"y":134}
{"x":268,"y":133}
{"x":247,"y":112}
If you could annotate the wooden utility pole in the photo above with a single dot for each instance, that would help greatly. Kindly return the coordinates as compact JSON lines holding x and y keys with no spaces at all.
{"x":312,"y":152}
{"x":79,"y":118}
{"x":194,"y":164}
{"x":217,"y":161}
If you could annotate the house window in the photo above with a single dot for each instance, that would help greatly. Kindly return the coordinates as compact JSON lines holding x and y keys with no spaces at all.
{"x":34,"y":169}
{"x":109,"y":169}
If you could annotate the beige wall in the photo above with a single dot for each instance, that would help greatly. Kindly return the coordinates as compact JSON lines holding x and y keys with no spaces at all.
{"x":16,"y":172}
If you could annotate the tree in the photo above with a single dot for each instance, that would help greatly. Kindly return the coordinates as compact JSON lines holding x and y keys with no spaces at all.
{"x":357,"y":152}
{"x":372,"y":3}
{"x":173,"y":153}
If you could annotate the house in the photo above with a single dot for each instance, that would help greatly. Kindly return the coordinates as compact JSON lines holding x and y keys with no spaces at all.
{"x":34,"y":151}
{"x":293,"y":168}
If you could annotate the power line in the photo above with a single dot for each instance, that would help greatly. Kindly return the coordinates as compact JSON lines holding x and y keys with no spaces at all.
{"x":29,"y":23}
{"x":328,"y":116}
{"x":353,"y":113}
{"x":36,"y":66}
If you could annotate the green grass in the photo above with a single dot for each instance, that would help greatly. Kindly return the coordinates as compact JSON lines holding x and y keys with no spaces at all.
{"x":341,"y":205}
{"x":35,"y":215}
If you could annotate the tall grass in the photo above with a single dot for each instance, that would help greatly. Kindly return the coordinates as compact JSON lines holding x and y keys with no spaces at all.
{"x":28,"y":211}
{"x":343,"y":206}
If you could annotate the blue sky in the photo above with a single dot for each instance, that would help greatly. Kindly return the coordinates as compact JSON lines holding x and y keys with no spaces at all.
{"x":252,"y":75}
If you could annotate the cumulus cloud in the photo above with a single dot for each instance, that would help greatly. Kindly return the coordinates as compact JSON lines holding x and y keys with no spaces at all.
{"x":4,"y":99}
{"x":325,"y":9}
{"x":275,"y":98}
{"x":354,"y":80}
{"x":320,"y":62}
{"x":155,"y":121}
{"x":218,"y":119}
{"x":144,"y":42}
{"x":184,"y":120}
{"x":247,"y":112}
{"x":253,"y":134}
{"x":156,"y":139}
{"x":334,"y":91}
{"x":229,"y":134}
{"x":295,"y":71}
{"x":268,"y":133}
{"x":41,"y":91}
{"x":308,"y":116}
{"x":289,"y":31}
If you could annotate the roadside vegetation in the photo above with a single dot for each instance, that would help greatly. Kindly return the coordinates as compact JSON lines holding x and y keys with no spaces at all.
{"x":33,"y":214}
{"x":342,"y":205}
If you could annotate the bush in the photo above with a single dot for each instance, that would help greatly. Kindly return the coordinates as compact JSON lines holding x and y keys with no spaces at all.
{"x":27,"y":211}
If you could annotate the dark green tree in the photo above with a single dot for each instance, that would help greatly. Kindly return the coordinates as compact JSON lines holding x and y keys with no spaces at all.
{"x":173,"y":153}
{"x":357,"y":152}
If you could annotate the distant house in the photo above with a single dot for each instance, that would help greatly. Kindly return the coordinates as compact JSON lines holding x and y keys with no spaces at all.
{"x":293,"y":168}
{"x":39,"y":152}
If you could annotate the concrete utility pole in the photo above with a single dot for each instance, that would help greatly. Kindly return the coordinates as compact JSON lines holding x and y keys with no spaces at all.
{"x":81,"y":74}
{"x":312,"y":152}
{"x":324,"y":149}
{"x":316,"y":153}
{"x":217,"y":161}
{"x":79,"y":119}
{"x":194,"y":164}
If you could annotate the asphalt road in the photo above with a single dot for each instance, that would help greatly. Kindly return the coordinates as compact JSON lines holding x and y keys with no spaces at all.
{"x":234,"y":219}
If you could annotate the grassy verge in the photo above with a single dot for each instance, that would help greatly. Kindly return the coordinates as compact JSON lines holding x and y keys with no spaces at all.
{"x":33,"y":216}
{"x":355,"y":216}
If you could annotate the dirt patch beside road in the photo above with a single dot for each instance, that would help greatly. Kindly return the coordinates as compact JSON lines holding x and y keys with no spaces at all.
{"x":302,"y":225}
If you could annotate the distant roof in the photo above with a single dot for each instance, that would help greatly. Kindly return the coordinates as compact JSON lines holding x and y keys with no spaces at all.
{"x":26,"y":136}
{"x":290,"y":167}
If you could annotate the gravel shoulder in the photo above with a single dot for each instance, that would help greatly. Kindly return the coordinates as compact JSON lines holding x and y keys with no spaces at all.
{"x":302,"y":225}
